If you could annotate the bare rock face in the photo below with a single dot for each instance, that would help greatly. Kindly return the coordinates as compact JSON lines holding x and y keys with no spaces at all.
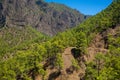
{"x":2,"y":16}
{"x":48,"y":18}
{"x":20,"y":12}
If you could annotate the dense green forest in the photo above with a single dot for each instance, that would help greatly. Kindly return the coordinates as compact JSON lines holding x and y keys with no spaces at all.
{"x":24,"y":50}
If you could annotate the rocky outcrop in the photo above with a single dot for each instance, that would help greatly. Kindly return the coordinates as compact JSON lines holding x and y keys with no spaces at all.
{"x":20,"y":12}
{"x":2,"y":16}
{"x":48,"y":18}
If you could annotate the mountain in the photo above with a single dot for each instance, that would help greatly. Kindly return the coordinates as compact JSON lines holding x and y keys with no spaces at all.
{"x":89,"y":51}
{"x":48,"y":18}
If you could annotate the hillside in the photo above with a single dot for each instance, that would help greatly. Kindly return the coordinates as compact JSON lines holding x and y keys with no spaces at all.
{"x":89,"y":51}
{"x":12,"y":39}
{"x":48,"y":18}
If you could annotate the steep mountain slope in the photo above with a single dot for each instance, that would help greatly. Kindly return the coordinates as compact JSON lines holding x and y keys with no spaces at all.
{"x":97,"y":41}
{"x":46,"y":18}
{"x":97,"y":35}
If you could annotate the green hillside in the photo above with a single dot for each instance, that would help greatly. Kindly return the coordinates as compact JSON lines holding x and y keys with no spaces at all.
{"x":23,"y":56}
{"x":13,"y":38}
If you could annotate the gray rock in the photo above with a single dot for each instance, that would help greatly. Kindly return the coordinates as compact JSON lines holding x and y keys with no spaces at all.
{"x":48,"y":18}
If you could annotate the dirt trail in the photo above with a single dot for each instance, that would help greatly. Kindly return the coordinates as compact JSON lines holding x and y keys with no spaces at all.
{"x":98,"y":45}
{"x":67,"y":58}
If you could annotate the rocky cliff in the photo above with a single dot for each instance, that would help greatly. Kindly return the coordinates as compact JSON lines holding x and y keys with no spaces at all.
{"x":48,"y":18}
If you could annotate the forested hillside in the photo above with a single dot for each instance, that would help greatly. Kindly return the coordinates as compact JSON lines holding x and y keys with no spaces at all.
{"x":94,"y":46}
{"x":16,"y":38}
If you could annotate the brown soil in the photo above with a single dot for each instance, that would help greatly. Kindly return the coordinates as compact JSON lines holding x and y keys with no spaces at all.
{"x":98,"y":45}
{"x":67,"y":75}
{"x":67,"y":58}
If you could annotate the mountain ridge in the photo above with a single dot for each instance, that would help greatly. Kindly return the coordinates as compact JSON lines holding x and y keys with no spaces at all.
{"x":93,"y":48}
{"x":48,"y":18}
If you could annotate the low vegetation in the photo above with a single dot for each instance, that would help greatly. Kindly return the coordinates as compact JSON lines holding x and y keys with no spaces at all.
{"x":23,"y":51}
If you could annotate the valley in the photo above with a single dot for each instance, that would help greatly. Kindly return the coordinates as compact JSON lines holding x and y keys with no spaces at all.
{"x":50,"y":41}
